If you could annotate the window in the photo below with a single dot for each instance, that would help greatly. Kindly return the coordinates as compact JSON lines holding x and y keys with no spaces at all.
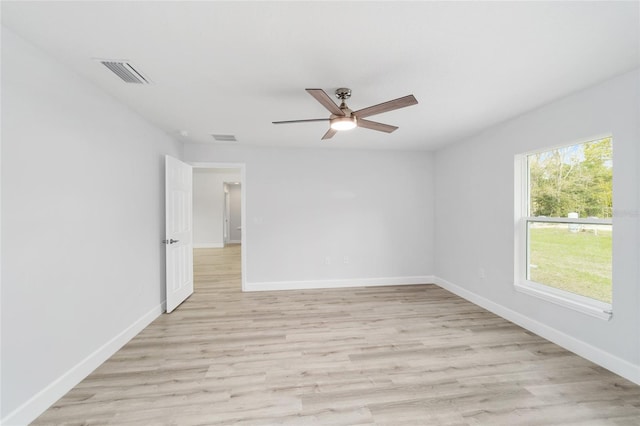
{"x":564,"y":227}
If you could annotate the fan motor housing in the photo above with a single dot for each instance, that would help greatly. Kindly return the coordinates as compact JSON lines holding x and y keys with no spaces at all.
{"x":343,"y":93}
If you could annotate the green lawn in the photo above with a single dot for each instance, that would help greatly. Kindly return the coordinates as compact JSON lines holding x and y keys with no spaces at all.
{"x":579,"y":262}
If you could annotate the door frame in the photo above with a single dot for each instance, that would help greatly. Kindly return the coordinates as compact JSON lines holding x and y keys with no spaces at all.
{"x":226,"y":229}
{"x":243,"y":213}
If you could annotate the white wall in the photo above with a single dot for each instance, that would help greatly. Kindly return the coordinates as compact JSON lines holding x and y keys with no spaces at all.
{"x":474,"y":218}
{"x":304,"y":205}
{"x":235,"y":213}
{"x":82,"y":224}
{"x":208,"y":205}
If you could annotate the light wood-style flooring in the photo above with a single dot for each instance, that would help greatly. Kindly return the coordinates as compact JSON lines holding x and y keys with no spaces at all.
{"x":404,"y":355}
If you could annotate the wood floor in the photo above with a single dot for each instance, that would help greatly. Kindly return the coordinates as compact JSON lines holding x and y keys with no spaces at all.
{"x":406,"y":355}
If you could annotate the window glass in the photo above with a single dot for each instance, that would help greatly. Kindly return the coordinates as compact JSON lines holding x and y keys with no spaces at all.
{"x":574,"y":179}
{"x":573,"y":185}
{"x":574,"y":258}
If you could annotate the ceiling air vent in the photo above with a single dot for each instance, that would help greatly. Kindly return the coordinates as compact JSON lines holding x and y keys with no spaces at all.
{"x":125,"y":71}
{"x":224,"y":138}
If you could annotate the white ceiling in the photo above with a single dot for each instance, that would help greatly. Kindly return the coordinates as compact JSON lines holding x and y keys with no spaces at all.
{"x":234,"y":67}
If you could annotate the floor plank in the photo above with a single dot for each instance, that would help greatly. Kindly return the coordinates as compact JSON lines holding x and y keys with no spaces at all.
{"x":403,"y":355}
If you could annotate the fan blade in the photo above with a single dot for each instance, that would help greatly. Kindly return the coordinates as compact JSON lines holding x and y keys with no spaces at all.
{"x":322,"y":97}
{"x":374,"y":125}
{"x":329,"y":133}
{"x":311,"y":120}
{"x":386,"y":106}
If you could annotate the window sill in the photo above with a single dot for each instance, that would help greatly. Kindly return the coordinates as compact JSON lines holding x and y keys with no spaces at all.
{"x":588,"y":306}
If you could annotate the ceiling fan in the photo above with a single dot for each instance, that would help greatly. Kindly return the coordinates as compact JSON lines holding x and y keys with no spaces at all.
{"x":342,"y":118}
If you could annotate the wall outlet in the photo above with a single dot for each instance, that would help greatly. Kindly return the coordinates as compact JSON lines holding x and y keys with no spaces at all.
{"x":345,"y":260}
{"x":327,"y":260}
{"x":481,"y":273}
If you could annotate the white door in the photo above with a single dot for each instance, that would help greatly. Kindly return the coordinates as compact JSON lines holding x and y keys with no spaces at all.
{"x":178,"y":231}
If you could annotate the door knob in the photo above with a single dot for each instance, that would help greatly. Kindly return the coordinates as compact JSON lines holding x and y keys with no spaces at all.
{"x":171,"y":241}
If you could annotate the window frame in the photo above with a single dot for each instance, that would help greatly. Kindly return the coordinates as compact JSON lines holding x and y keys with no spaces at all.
{"x":584,"y":304}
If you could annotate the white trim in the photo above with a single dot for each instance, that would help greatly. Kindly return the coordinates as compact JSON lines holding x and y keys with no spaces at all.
{"x":579,"y":303}
{"x":521,"y":191}
{"x":586,"y":221}
{"x":215,"y":165}
{"x":596,"y":355}
{"x":234,"y":242}
{"x":356,"y":282}
{"x":207,"y":245}
{"x":243,"y":203}
{"x":37,"y":404}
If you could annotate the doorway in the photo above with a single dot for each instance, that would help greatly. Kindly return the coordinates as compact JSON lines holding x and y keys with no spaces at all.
{"x":232,"y":222}
{"x":219,"y":197}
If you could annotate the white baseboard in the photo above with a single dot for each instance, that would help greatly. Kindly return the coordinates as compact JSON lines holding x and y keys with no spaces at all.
{"x":356,"y":282}
{"x":604,"y":359}
{"x":36,"y":405}
{"x":234,"y":241}
{"x":207,"y":245}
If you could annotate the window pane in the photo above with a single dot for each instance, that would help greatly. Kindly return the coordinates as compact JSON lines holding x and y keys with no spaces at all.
{"x":571,"y":257}
{"x":574,"y":180}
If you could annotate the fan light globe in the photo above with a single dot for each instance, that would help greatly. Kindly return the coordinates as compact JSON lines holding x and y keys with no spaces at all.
{"x":343,"y":123}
